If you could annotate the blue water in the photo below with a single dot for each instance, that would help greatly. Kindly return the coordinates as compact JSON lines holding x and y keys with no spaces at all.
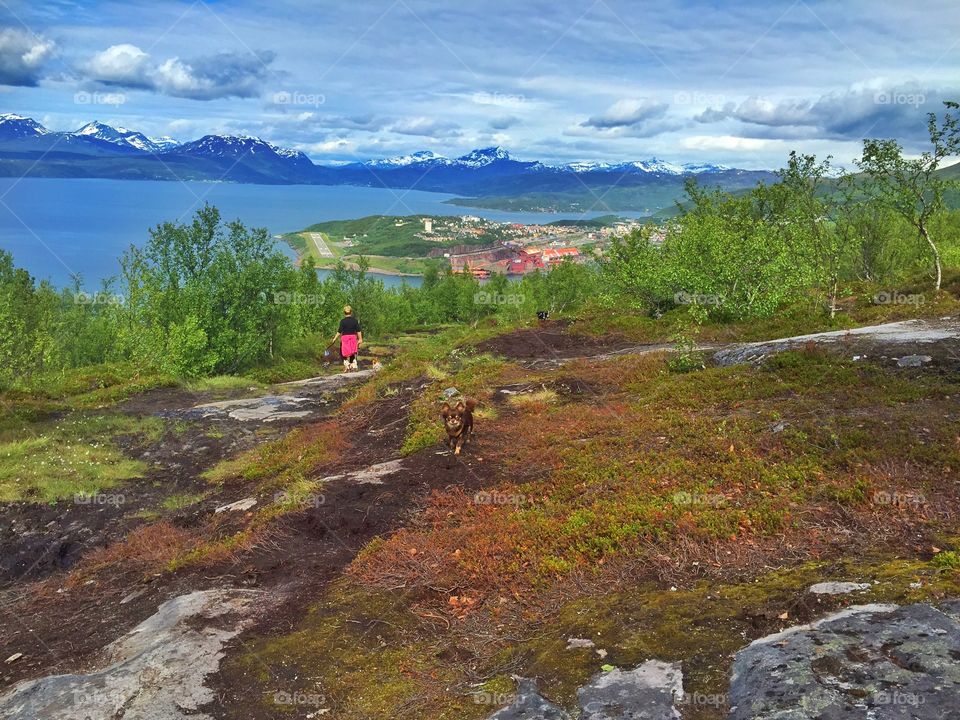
{"x":57,"y":227}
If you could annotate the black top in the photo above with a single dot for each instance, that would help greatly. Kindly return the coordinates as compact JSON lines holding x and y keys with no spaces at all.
{"x":349,"y":326}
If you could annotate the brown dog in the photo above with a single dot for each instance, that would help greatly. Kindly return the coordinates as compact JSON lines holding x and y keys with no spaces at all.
{"x":458,"y":420}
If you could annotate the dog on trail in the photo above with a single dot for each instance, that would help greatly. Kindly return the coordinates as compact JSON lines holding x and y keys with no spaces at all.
{"x":458,"y":421}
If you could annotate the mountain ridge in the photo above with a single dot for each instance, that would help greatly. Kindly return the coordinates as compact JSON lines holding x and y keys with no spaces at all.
{"x":98,"y":150}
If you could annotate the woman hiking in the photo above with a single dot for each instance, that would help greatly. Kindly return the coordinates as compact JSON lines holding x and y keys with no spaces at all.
{"x":351,"y":337}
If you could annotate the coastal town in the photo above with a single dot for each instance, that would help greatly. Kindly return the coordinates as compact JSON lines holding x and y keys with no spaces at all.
{"x":408,"y":245}
{"x":483,"y":247}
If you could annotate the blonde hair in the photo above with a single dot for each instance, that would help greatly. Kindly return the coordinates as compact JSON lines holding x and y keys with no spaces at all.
{"x":347,"y":310}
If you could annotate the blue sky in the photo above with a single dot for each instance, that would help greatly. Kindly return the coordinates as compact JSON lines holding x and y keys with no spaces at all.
{"x":738,"y":83}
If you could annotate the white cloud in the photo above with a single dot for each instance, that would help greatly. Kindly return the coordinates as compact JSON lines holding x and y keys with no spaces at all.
{"x":202,"y":78}
{"x":627,"y":112}
{"x":22,"y":56}
{"x":425,"y":126}
{"x":122,"y":64}
{"x":726,"y":142}
{"x":329,"y":147}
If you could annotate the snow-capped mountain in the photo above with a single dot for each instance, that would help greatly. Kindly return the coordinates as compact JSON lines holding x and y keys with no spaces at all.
{"x":483,"y":157}
{"x":653,"y":165}
{"x":245,"y":159}
{"x":584,"y":166}
{"x":14,"y":126}
{"x":423,"y":156}
{"x":99,"y":150}
{"x":704,"y":168}
{"x":233,"y":146}
{"x":122,"y":136}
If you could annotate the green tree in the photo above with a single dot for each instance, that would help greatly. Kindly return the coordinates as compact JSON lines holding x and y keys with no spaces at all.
{"x":911,"y":187}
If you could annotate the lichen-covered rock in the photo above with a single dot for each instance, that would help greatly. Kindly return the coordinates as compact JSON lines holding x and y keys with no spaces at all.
{"x":875,"y":662}
{"x":650,"y":691}
{"x":154,"y":672}
{"x":529,"y":704}
{"x":837,"y":588}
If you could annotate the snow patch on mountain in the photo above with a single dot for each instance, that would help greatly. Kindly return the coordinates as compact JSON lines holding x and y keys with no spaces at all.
{"x":124,"y":137}
{"x":13,"y":125}
{"x":483,"y":157}
{"x":236,"y":146}
{"x":422,"y":156}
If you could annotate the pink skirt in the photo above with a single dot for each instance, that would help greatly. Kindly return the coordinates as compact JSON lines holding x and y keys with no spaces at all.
{"x":348,"y":345}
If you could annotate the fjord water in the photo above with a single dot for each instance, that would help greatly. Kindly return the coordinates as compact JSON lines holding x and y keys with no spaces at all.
{"x":57,"y":227}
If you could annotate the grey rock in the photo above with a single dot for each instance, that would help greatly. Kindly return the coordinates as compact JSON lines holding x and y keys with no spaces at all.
{"x":244,"y":504}
{"x":337,"y":380}
{"x":913,"y":361}
{"x":837,"y":588}
{"x":450,"y":392}
{"x":154,"y":672}
{"x":133,"y":595}
{"x":576,"y":643}
{"x":869,"y":662}
{"x":529,"y":704}
{"x":648,"y":692}
{"x":906,"y":331}
{"x":371,"y":475}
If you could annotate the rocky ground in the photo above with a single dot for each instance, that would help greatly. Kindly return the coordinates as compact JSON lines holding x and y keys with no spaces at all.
{"x":327,"y":594}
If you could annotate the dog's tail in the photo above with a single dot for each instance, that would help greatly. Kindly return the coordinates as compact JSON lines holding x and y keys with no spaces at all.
{"x":470,"y":404}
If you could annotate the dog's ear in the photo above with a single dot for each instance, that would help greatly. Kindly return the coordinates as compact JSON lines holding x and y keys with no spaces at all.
{"x":460,"y":407}
{"x":445,"y":410}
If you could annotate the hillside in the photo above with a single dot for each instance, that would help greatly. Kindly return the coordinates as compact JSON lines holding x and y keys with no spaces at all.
{"x":610,"y":513}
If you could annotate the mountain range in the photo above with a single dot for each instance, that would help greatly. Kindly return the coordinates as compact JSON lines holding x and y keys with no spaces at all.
{"x":98,"y":150}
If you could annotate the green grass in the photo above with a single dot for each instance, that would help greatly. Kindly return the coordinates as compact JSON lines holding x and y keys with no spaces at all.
{"x":76,"y":455}
{"x":223,"y":384}
{"x":178,"y":502}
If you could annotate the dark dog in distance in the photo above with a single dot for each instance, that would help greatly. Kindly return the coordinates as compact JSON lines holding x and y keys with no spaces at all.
{"x":458,"y":422}
{"x":542,"y":315}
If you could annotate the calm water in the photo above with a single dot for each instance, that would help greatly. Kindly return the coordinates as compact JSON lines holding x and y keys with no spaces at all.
{"x":59,"y":227}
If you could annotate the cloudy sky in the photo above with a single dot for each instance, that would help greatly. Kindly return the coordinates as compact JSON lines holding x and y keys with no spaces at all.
{"x":740,"y":83}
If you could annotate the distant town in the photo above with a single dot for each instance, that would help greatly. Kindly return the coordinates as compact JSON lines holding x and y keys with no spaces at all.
{"x":468,"y":243}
